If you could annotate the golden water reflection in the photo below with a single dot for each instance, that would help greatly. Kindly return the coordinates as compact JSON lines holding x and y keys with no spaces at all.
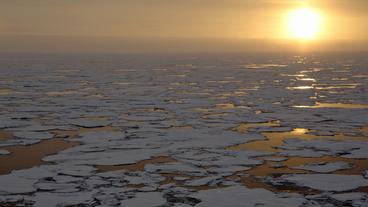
{"x":365,"y":129}
{"x":230,"y":106}
{"x":5,"y":135}
{"x":23,"y":157}
{"x":300,"y":87}
{"x":286,"y":165}
{"x":275,"y":139}
{"x":4,"y":91}
{"x":335,"y":105}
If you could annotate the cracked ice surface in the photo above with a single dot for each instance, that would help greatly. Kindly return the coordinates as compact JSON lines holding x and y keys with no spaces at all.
{"x":127,"y":109}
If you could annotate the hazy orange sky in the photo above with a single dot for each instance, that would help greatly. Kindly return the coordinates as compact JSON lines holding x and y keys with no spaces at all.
{"x":173,"y":25}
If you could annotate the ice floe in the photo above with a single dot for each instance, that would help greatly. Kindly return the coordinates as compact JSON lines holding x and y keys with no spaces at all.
{"x":325,"y":167}
{"x":33,"y":135}
{"x":349,"y":148}
{"x":327,"y":182}
{"x":239,"y":196}
{"x":4,"y":152}
{"x":148,"y":199}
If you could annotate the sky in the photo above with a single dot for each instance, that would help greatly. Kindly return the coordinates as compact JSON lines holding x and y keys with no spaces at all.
{"x":175,"y":25}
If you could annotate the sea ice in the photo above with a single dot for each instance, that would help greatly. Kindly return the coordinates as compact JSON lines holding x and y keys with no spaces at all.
{"x":4,"y":152}
{"x":168,"y":106}
{"x":325,"y":167}
{"x":180,"y":168}
{"x":327,"y":182}
{"x":352,"y":148}
{"x":86,"y":123}
{"x":47,"y":199}
{"x":10,"y":123}
{"x":149,"y":199}
{"x":210,"y":181}
{"x":14,"y":184}
{"x":350,"y":196}
{"x":239,"y":196}
{"x":33,"y":135}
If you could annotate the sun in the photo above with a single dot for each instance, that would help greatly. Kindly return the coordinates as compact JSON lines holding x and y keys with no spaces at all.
{"x":304,"y":24}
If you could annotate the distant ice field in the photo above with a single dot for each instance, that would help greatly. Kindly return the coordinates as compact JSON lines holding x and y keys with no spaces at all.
{"x":184,"y":130}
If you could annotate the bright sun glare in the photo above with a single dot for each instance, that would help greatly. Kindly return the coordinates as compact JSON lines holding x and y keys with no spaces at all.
{"x":304,"y":24}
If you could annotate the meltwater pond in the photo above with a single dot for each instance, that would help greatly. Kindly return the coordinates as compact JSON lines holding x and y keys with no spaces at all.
{"x":180,"y":130}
